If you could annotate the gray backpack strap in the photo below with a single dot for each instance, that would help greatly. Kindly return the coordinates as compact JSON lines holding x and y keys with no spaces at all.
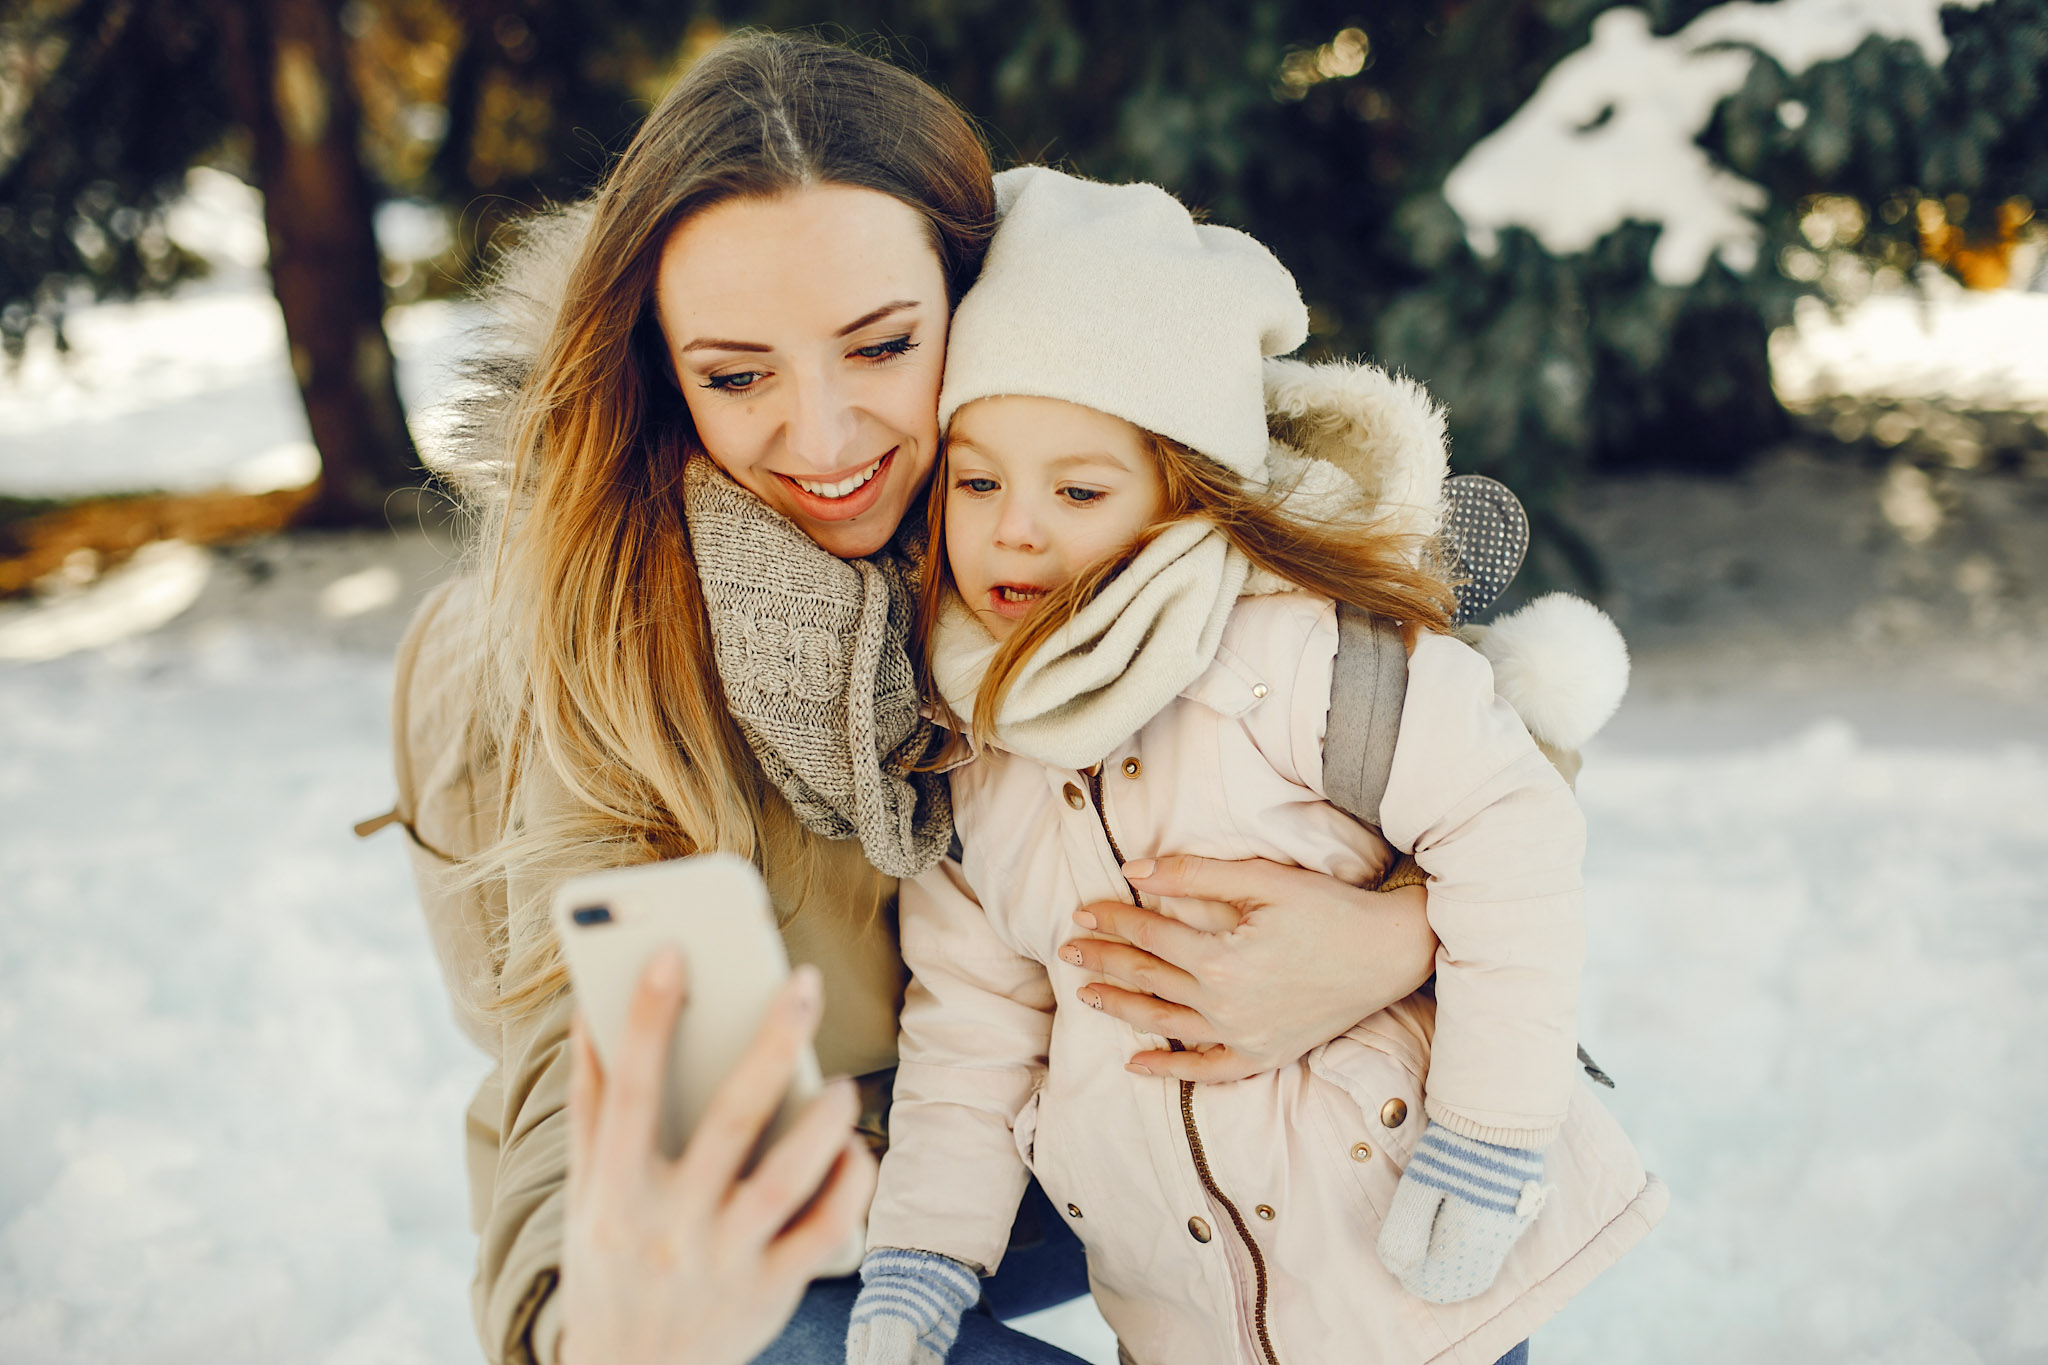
{"x":1367,"y":687}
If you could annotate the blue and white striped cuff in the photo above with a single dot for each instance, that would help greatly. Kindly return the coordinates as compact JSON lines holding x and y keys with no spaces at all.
{"x":924,"y":1289}
{"x":1480,"y":1173}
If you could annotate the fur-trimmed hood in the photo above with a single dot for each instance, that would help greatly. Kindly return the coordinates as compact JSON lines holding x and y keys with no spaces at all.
{"x":1381,"y":429}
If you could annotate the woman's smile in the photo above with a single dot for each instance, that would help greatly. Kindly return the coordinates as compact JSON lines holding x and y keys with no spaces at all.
{"x":842,"y":499}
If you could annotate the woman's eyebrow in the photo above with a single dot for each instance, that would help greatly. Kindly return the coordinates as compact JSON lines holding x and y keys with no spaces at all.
{"x":876,"y":316}
{"x":721,"y":344}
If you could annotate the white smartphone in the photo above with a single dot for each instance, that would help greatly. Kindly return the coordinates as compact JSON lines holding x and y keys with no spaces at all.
{"x":714,"y":909}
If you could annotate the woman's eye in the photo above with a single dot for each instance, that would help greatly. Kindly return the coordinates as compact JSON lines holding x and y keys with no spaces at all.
{"x":734,"y":383}
{"x":977,"y":485}
{"x":884,"y":350}
{"x":1082,"y":495}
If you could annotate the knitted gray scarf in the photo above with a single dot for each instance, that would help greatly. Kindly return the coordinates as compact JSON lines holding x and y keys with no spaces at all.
{"x":813,"y":652}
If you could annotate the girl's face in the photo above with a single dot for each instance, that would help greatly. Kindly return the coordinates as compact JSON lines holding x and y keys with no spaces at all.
{"x":1037,"y":491}
{"x":808,"y":334}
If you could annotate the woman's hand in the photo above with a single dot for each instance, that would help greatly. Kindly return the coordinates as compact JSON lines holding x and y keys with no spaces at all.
{"x":1310,"y":957}
{"x":688,"y":1260}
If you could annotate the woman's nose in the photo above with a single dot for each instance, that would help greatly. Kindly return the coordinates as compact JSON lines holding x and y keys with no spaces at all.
{"x":821,"y":423}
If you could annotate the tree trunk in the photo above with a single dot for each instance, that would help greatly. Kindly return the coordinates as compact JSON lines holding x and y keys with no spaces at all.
{"x":291,"y":67}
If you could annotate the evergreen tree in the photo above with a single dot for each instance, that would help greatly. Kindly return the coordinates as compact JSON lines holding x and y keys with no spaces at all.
{"x":123,"y":97}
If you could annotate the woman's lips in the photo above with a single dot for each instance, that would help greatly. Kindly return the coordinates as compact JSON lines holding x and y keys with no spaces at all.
{"x":1014,"y":600}
{"x":845,"y":508}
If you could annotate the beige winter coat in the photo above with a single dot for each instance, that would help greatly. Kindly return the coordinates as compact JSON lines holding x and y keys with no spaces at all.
{"x":1201,"y":1205}
{"x":451,"y":802}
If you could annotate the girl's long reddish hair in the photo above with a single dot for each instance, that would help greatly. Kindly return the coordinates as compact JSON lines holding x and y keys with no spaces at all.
{"x":1353,"y":559}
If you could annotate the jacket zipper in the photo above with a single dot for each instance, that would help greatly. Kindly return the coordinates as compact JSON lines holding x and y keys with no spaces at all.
{"x":1187,"y":1117}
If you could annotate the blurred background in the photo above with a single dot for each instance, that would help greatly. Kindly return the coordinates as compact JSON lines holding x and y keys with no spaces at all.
{"x":1748,"y":301}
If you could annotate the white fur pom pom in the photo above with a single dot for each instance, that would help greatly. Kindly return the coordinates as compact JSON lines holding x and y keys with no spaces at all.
{"x":1561,"y":664}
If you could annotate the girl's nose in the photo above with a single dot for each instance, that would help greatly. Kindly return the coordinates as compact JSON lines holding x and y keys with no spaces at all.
{"x":821,"y":423}
{"x":1018,"y":528}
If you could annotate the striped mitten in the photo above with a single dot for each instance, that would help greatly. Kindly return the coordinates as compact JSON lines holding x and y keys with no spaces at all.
{"x":1457,"y":1212}
{"x":909,"y":1307}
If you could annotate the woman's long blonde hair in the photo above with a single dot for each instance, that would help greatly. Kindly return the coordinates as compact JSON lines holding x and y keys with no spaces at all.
{"x":597,"y":671}
{"x":1352,"y":559}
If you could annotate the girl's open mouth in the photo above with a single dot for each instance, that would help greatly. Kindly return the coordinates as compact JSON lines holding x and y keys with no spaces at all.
{"x":1014,"y":600}
{"x":844,"y":498}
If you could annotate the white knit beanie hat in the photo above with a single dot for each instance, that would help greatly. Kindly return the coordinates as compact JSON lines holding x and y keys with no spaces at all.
{"x":1114,"y":297}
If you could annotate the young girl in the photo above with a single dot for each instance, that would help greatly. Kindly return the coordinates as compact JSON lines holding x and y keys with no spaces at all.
{"x":1132,"y":617}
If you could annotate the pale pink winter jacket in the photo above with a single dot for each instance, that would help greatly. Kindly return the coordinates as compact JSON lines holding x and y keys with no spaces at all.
{"x":1002,"y":1068}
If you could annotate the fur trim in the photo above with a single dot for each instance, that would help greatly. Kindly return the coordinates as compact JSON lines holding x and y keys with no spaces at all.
{"x":465,"y":437}
{"x":527,"y":284}
{"x":1384,"y":430}
{"x":1561,"y":663}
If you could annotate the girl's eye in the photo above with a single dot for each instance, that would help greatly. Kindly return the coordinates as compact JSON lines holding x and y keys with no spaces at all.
{"x":973,"y":485}
{"x":885,"y":350}
{"x":734,"y":383}
{"x":1082,"y":495}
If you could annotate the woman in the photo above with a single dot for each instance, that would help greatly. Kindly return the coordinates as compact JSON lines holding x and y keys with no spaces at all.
{"x":648,"y":664}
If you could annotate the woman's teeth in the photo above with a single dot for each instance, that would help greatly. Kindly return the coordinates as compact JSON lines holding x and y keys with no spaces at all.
{"x":840,"y":489}
{"x":1009,"y":594}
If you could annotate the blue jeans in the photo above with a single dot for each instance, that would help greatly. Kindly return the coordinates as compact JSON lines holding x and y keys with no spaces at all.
{"x":1044,"y":1266}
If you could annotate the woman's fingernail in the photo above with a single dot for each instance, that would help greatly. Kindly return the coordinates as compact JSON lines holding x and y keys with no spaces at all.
{"x":665,"y":971}
{"x":1071,"y":953}
{"x":1139,"y":868}
{"x":1138,"y":1068}
{"x":1092,"y":999}
{"x":1084,"y":919}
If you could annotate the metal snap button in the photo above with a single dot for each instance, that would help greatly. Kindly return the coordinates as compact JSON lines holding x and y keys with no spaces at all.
{"x":1073,"y":1210}
{"x":1265,"y":1211}
{"x":1130,"y":767}
{"x":1258,"y":689}
{"x":1198,"y":1229}
{"x":1361,"y":1152}
{"x":1394,"y":1113}
{"x":1074,"y":797}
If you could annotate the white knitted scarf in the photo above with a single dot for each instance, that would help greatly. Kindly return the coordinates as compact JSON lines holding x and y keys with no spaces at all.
{"x":813,"y":654}
{"x":1135,"y":646}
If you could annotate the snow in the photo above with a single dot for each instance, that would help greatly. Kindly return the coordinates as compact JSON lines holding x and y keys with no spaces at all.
{"x":154,"y":587}
{"x":185,"y":393}
{"x":195,"y":391}
{"x":230,"y":1091}
{"x":1609,"y":134}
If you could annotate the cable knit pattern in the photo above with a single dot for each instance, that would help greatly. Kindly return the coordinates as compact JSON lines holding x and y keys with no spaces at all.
{"x":909,"y":1308}
{"x":813,"y":653}
{"x":1459,"y":1209}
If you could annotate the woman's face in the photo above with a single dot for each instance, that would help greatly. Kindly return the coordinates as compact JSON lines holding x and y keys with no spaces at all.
{"x":808,"y":334}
